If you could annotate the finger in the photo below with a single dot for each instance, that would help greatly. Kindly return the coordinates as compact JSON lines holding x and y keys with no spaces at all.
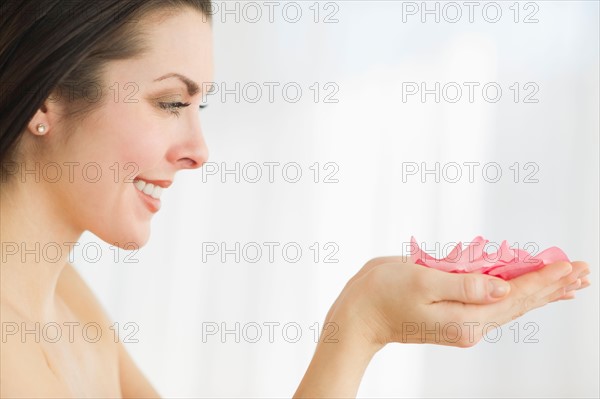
{"x":526,"y":292}
{"x":468,"y":288}
{"x":569,"y":291}
{"x":559,"y":293}
{"x":547,"y":279}
{"x":568,"y":281}
{"x":567,"y":296}
{"x":585,"y":282}
{"x":586,"y":268}
{"x":580,"y":269}
{"x":574,"y":286}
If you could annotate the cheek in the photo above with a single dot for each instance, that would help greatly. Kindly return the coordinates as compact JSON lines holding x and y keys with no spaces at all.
{"x":137,"y":137}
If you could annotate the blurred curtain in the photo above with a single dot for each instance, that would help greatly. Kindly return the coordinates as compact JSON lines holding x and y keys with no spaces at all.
{"x":363,"y":134}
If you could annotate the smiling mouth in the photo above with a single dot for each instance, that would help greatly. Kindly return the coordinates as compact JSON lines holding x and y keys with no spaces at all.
{"x":149,"y":189}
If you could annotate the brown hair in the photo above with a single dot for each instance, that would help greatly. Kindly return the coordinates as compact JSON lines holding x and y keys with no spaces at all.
{"x":59,"y":48}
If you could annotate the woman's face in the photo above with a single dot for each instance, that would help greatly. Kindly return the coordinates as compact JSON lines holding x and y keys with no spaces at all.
{"x":138,"y":135}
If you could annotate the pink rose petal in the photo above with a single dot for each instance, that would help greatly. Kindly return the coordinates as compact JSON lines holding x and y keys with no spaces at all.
{"x":506,"y":263}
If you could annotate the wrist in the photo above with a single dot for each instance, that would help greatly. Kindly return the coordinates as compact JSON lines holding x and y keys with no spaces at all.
{"x":343,"y":353}
{"x":338,"y":364}
{"x":346,"y":326}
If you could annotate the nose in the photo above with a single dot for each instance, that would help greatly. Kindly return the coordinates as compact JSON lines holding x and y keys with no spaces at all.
{"x":191,"y":152}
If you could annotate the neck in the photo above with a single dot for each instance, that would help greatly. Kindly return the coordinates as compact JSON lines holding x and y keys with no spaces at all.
{"x":36,"y":237}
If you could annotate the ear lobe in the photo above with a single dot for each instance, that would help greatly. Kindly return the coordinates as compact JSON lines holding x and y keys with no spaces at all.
{"x":40,"y":123}
{"x":38,"y":126}
{"x":41,"y":129}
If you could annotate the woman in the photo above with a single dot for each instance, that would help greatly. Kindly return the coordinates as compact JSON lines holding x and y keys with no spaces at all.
{"x":99,"y":111}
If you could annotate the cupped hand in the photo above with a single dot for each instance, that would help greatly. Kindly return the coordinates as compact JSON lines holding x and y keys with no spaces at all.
{"x":393,"y":300}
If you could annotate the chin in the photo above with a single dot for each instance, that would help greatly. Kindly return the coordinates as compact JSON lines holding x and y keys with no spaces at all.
{"x":127,"y":238}
{"x":119,"y":220}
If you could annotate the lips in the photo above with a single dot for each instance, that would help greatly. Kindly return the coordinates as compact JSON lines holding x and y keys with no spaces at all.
{"x":152,"y":204}
{"x":150,"y":191}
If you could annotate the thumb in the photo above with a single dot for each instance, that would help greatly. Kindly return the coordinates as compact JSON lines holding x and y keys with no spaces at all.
{"x":471,"y":288}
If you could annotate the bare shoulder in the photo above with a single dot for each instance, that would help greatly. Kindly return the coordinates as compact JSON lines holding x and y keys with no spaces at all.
{"x":76,"y":292}
{"x":21,"y":358}
{"x":72,"y":354}
{"x":85,"y":362}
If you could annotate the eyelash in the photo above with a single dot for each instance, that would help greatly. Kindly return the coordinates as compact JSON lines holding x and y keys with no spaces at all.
{"x":174,"y":107}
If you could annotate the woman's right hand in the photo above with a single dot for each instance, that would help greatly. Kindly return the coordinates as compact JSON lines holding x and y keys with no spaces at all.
{"x":393,"y":300}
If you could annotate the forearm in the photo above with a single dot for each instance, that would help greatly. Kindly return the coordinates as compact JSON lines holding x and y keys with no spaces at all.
{"x":338,"y":364}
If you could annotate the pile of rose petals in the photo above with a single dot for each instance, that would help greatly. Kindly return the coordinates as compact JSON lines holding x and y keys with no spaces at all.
{"x":507,"y":263}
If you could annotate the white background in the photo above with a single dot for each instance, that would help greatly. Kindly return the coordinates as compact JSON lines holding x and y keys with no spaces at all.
{"x":370,"y":133}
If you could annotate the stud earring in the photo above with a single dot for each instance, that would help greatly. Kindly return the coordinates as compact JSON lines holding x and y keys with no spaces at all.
{"x":41,"y":128}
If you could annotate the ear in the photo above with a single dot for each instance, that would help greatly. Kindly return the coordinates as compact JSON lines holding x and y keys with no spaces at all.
{"x":45,"y":118}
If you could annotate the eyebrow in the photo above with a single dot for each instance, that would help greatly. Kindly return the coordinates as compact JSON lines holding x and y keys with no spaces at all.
{"x":192,"y":87}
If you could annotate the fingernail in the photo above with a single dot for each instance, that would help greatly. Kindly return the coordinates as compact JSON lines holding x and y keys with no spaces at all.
{"x":497,"y":288}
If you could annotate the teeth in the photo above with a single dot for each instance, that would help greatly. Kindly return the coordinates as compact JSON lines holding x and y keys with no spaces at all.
{"x":148,"y":188}
{"x":139,"y":184}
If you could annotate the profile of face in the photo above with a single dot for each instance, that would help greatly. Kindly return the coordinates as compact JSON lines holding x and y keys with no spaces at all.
{"x":126,"y":151}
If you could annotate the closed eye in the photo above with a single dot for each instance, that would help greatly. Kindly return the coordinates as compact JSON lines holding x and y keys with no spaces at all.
{"x":173,"y":107}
